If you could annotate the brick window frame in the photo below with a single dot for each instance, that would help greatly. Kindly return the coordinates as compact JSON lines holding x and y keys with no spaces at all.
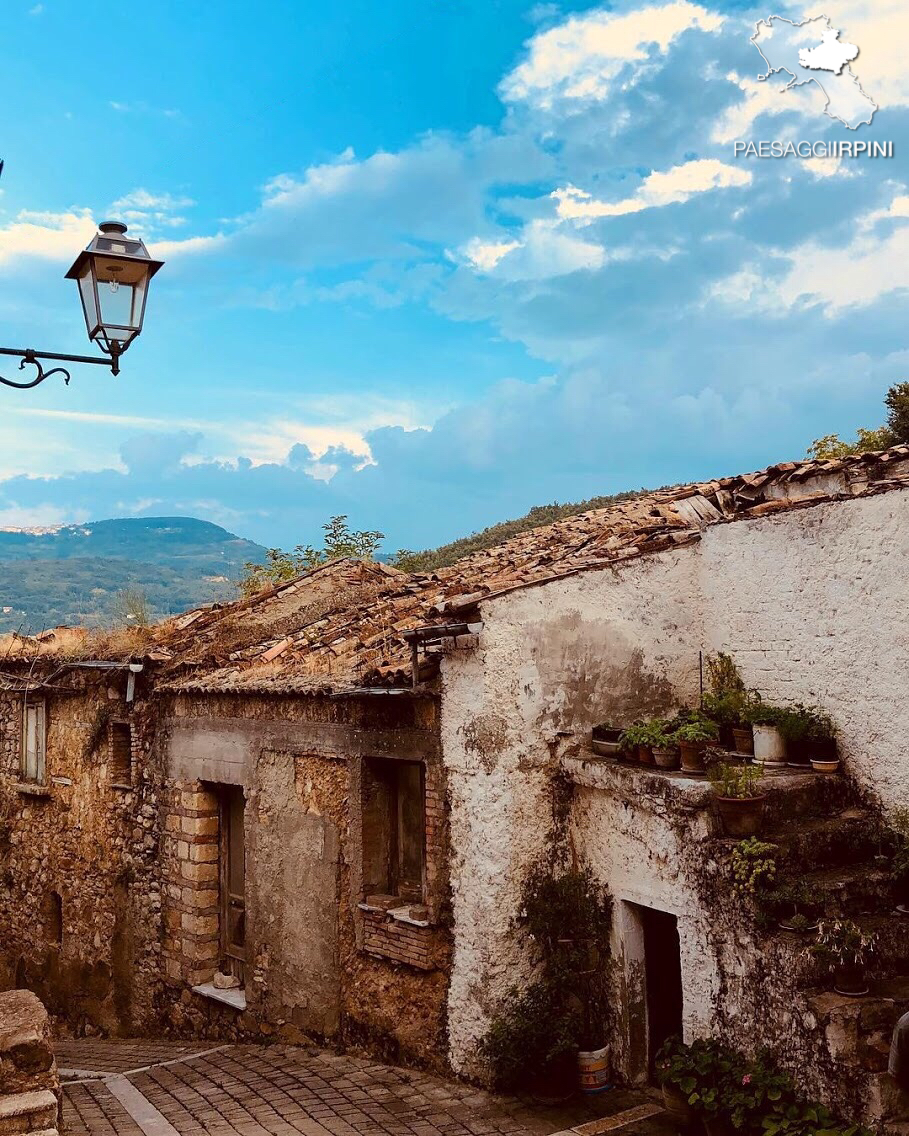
{"x":398,"y":928}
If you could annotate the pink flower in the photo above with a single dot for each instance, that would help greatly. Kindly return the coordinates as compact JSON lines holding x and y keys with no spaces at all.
{"x":746,"y":1080}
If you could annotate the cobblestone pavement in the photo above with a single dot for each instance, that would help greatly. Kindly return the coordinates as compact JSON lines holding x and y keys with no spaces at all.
{"x":126,"y":1088}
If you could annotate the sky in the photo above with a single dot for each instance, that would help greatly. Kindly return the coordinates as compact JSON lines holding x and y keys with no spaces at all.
{"x":431,"y":263}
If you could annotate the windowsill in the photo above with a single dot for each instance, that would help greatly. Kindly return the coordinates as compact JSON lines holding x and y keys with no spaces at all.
{"x":33,"y":789}
{"x":399,"y":914}
{"x":235,"y":997}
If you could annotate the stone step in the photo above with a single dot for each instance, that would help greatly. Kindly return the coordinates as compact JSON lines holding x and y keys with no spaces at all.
{"x":792,"y":795}
{"x":28,"y":1113}
{"x":852,"y":890}
{"x":847,"y":837}
{"x":885,"y":1101}
{"x":858,"y":1030}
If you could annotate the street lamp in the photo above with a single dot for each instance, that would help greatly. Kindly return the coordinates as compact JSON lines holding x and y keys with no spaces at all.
{"x":113,"y":274}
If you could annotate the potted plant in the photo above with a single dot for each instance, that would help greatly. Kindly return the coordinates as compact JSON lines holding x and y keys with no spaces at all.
{"x":692,"y":738}
{"x":725,"y":700}
{"x":637,"y":741}
{"x":810,"y":736}
{"x":739,"y":801}
{"x":605,"y":741}
{"x":796,"y":906}
{"x":665,"y":748}
{"x":675,"y":1070}
{"x":769,"y":744}
{"x":844,"y":948}
{"x":532,"y":1042}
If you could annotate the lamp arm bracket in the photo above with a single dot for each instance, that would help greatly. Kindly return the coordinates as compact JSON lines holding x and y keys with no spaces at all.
{"x":33,"y":358}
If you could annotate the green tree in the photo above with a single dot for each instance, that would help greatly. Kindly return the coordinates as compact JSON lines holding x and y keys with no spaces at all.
{"x":339,"y":542}
{"x":894,"y":432}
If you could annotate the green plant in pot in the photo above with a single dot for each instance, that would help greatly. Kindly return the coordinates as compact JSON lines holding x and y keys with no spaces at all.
{"x":638,"y":740}
{"x":769,"y":744}
{"x":698,"y":1081}
{"x":796,"y":905}
{"x":809,"y":733}
{"x":692,"y":738}
{"x":844,"y":950}
{"x":724,"y":702}
{"x":739,"y":800}
{"x":726,"y":711}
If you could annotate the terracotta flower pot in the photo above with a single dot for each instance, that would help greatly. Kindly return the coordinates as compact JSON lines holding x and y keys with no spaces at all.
{"x":692,"y":754}
{"x":744,"y":740}
{"x":824,"y":766}
{"x":676,"y":1104}
{"x":741,"y":816}
{"x":645,"y":755}
{"x":666,"y":758}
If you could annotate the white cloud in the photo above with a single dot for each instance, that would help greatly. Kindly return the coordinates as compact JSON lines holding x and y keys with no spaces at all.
{"x":850,"y":275}
{"x":659,"y":188}
{"x":49,"y":236}
{"x":542,"y":252}
{"x":579,"y":59}
{"x":485,"y":255}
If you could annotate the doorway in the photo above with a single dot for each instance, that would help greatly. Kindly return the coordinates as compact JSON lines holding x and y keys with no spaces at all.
{"x":663,"y":976}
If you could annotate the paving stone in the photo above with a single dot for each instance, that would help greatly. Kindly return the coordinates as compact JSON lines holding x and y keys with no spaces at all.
{"x":246,"y":1090}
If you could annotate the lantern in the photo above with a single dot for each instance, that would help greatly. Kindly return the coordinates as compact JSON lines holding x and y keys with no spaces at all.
{"x":113,"y":275}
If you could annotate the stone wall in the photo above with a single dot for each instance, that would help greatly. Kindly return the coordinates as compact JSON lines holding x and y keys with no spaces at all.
{"x":29,"y":1083}
{"x":81,"y":903}
{"x":318,"y":959}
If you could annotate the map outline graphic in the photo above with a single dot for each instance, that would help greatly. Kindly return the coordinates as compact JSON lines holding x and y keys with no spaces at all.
{"x":800,"y":81}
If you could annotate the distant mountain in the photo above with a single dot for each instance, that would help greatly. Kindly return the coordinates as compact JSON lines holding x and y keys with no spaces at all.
{"x":71,"y":574}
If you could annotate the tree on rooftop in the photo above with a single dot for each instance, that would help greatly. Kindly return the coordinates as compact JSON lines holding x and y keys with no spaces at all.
{"x":339,"y":542}
{"x":894,"y":432}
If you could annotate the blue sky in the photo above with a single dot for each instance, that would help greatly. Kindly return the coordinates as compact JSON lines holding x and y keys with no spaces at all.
{"x":431,"y":263}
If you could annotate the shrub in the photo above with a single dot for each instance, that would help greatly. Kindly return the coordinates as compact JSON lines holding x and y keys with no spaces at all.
{"x":753,"y":867}
{"x":529,"y":1034}
{"x":756,"y":1096}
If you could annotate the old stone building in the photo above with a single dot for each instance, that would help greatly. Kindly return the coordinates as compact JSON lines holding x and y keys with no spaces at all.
{"x":336,"y":787}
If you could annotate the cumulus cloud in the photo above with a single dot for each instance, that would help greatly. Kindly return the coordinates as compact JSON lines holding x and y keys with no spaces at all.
{"x":579,"y":60}
{"x":669,"y":187}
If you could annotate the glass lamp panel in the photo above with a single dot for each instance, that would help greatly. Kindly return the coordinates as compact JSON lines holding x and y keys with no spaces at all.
{"x":89,"y":300}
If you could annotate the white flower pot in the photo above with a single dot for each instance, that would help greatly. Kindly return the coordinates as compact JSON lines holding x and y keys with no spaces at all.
{"x":769,"y":747}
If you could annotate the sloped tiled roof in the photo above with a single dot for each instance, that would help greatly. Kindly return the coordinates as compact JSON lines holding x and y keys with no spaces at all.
{"x":341,"y":626}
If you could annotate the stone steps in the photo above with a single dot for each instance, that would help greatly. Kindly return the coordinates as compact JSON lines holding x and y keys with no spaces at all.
{"x":33,"y":1112}
{"x":845,"y":838}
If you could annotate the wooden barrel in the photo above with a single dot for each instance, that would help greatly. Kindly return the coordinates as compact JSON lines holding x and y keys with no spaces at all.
{"x":593,"y":1070}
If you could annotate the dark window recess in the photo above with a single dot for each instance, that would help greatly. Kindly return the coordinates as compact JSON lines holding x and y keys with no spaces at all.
{"x":121,"y":753}
{"x":393,"y":828}
{"x":233,"y":880}
{"x":52,"y":918}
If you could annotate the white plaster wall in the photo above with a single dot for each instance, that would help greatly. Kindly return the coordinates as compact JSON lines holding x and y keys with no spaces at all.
{"x":551,"y":659}
{"x":811,"y":604}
